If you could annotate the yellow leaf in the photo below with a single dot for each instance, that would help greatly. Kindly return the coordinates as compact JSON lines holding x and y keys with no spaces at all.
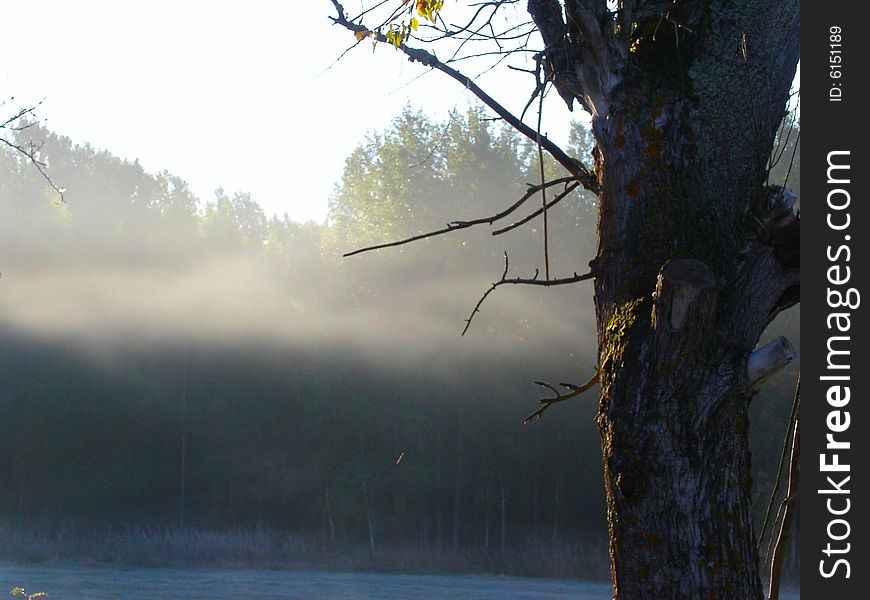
{"x":414,"y":23}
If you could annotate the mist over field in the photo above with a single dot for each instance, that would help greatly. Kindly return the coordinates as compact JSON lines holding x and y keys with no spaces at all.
{"x":116,"y":266}
{"x":174,"y":368}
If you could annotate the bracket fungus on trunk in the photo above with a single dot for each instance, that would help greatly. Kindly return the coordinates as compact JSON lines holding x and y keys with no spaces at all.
{"x":767,"y":360}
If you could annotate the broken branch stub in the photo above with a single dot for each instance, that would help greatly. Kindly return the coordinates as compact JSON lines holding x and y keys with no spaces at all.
{"x":684,"y":284}
{"x":767,"y":360}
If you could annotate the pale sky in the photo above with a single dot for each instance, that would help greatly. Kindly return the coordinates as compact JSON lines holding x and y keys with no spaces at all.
{"x":226,"y":93}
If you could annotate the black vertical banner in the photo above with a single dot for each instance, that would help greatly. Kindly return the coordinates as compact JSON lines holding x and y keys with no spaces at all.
{"x":834,"y":261}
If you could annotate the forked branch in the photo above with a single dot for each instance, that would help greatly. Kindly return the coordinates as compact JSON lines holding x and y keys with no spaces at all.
{"x":505,"y":280}
{"x":457,"y":225}
{"x":558,"y":198}
{"x":573,"y":391}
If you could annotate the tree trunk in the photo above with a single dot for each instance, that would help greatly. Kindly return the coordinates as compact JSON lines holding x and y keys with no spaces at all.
{"x":439,"y":492}
{"x":457,"y":487}
{"x":370,"y":527}
{"x":503,"y":538}
{"x":687,"y":278}
{"x":182,"y":487}
{"x":457,"y":517}
{"x":425,"y":544}
{"x":554,"y":538}
{"x":21,"y":503}
{"x":329,"y":520}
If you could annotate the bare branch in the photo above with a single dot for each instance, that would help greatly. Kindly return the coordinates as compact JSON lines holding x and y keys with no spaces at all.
{"x":785,"y":447}
{"x":502,"y":54}
{"x":788,"y":510}
{"x":20,"y":120}
{"x":523,"y":281}
{"x":456,"y":225}
{"x":558,"y":396}
{"x":476,"y":32}
{"x":573,"y":166}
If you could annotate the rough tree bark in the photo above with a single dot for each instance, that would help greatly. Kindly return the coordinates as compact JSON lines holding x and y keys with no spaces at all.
{"x":688,"y":271}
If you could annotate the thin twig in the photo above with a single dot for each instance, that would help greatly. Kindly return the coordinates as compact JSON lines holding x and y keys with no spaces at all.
{"x":543,"y":189}
{"x":539,"y":85}
{"x":437,"y":144}
{"x":501,"y":53}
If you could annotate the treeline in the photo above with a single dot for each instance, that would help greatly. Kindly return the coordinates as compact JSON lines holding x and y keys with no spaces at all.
{"x":169,"y":362}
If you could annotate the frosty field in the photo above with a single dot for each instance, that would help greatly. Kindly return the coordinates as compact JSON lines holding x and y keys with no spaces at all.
{"x":81,"y":583}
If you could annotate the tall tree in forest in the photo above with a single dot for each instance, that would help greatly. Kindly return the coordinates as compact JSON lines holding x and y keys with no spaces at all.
{"x":696,"y":253}
{"x":420,"y":173}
